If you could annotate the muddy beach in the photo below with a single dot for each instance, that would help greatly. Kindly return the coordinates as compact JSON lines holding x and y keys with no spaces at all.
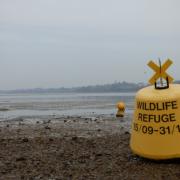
{"x":75,"y":147}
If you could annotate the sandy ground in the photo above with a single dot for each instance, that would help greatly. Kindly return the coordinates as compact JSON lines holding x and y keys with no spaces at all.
{"x":75,"y":148}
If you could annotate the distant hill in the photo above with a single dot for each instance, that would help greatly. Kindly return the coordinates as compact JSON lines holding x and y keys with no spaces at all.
{"x":114,"y":87}
{"x":106,"y":88}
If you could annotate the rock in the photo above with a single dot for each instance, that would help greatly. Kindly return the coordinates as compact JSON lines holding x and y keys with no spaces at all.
{"x":25,"y":140}
{"x":99,"y":155}
{"x":20,"y":159}
{"x":47,"y":127}
{"x":177,"y":175}
{"x":51,"y":139}
{"x":93,"y":119}
{"x":75,"y":138}
{"x":46,"y":121}
{"x":20,"y":124}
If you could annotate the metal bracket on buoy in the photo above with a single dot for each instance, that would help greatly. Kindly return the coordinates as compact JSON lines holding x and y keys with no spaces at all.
{"x":162,"y":87}
{"x":161,"y":74}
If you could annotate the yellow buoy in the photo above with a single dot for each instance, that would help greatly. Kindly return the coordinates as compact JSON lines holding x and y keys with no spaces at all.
{"x":156,"y":123}
{"x":121,"y":109}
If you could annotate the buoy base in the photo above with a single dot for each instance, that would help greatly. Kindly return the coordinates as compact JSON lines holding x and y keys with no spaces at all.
{"x":155,"y":130}
{"x":156,"y":157}
{"x":119,"y":115}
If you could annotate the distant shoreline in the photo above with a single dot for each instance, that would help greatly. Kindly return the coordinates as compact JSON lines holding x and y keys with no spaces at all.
{"x":106,"y":88}
{"x":118,"y":87}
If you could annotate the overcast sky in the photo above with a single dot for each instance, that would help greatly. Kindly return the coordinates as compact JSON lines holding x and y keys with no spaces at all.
{"x":56,"y":43}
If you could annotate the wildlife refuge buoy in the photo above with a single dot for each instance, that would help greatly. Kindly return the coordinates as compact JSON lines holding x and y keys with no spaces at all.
{"x":155,"y":130}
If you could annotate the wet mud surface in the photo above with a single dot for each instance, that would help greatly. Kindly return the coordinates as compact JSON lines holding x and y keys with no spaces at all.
{"x":75,"y":148}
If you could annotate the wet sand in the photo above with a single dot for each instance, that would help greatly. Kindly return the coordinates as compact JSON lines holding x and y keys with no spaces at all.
{"x":75,"y":147}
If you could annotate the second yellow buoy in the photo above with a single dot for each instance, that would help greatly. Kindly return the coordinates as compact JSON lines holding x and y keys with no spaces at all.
{"x":121,"y":109}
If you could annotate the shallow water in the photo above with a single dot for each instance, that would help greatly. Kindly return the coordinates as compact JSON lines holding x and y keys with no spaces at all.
{"x":47,"y":104}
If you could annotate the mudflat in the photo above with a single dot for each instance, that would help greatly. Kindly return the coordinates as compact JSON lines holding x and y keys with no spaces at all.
{"x":75,"y":147}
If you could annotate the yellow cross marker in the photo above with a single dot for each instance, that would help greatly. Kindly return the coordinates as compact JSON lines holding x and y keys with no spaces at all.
{"x":160,"y":71}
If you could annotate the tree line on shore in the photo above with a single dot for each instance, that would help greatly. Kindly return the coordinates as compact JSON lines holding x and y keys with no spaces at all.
{"x":114,"y":87}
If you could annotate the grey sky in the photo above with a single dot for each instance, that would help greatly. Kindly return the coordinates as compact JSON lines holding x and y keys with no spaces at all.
{"x":55,"y":43}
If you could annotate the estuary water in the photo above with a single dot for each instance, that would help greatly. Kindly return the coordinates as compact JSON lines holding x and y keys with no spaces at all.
{"x":62,"y":104}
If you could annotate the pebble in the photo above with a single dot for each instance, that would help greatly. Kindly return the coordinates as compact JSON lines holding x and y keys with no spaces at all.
{"x":47,"y":127}
{"x":51,"y":139}
{"x":75,"y":138}
{"x":126,"y":132}
{"x":93,"y":119}
{"x":25,"y":140}
{"x":46,"y":122}
{"x":20,"y":159}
